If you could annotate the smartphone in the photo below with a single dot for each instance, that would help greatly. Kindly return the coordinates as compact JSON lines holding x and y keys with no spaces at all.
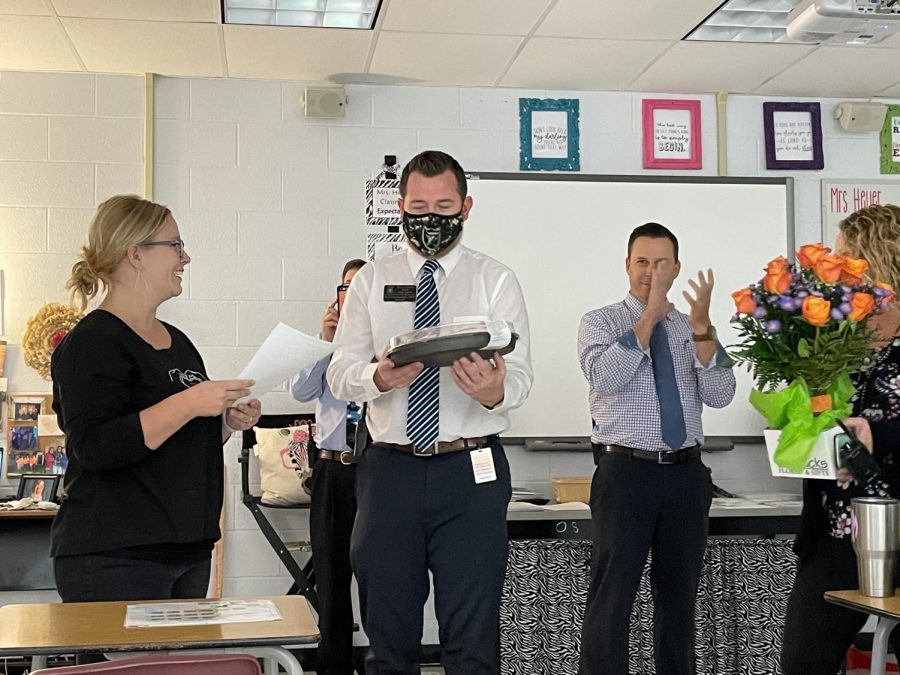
{"x":341,"y":294}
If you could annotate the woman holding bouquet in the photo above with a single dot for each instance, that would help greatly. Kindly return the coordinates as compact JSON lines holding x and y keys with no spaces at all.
{"x":817,"y":634}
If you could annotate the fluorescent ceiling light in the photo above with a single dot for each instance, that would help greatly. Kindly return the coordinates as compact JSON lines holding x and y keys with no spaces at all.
{"x":746,"y":21}
{"x":310,"y":13}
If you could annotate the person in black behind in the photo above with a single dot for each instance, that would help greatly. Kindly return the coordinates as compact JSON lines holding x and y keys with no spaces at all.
{"x":144,"y":424}
{"x":817,"y":633}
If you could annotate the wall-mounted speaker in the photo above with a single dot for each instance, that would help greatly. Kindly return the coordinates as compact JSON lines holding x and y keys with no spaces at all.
{"x":324,"y":101}
{"x":860,"y":115}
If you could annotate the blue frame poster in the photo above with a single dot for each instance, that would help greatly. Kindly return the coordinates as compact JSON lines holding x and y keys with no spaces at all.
{"x":548,"y":134}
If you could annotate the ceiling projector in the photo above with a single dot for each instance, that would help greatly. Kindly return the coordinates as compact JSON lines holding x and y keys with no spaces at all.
{"x":855,"y":22}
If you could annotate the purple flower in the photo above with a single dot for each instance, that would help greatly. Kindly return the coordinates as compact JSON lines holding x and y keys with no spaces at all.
{"x":845,"y":289}
{"x":760,"y":313}
{"x":773,"y":326}
{"x":786,"y":303}
{"x":802,"y":294}
{"x":845,"y":308}
{"x":880,"y":292}
{"x":837,"y":314}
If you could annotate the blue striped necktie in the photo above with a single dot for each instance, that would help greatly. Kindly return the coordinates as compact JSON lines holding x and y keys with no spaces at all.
{"x":423,"y":413}
{"x":671,"y":414}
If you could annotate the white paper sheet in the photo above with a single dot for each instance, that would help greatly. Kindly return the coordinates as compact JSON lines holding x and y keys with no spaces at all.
{"x":201,"y":613}
{"x":280,"y":357}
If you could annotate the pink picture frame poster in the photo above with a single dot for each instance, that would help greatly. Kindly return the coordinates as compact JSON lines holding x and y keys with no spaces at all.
{"x":671,"y":137}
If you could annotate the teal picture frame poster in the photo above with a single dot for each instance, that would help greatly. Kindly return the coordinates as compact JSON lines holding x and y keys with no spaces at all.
{"x":548,"y":134}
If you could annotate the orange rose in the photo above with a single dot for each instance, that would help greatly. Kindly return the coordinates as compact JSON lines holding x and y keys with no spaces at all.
{"x":863,"y":304}
{"x":743,"y":300}
{"x":829,"y":267}
{"x":816,"y":310}
{"x":887,"y":287}
{"x":778,"y":278}
{"x":810,"y":253}
{"x":854,"y":268}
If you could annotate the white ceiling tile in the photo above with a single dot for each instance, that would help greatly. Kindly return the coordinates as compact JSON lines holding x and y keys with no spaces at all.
{"x":289,"y":53}
{"x":697,"y":67}
{"x":141,"y":10}
{"x":836,"y":71}
{"x":34,"y":43}
{"x":111,"y":46}
{"x":475,"y":17}
{"x":557,"y":63}
{"x":29,"y":7}
{"x":466,"y":60}
{"x":651,"y":20}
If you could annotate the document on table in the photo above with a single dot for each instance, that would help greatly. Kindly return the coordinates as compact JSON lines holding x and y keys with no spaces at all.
{"x":202,"y":613}
{"x":281,"y":355}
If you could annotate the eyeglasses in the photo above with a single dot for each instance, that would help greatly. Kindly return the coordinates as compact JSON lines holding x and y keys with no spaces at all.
{"x":177,"y":244}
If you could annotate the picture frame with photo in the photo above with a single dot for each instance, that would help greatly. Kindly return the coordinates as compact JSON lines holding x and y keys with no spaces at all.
{"x":793,"y":136}
{"x":548,"y":134}
{"x":40,"y":487}
{"x":26,"y":443}
{"x":671,"y":133}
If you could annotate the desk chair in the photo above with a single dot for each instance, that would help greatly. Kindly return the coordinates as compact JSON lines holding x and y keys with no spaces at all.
{"x":304,"y":577}
{"x":170,"y":664}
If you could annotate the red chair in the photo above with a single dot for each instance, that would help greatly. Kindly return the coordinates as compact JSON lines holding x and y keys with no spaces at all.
{"x":170,"y":664}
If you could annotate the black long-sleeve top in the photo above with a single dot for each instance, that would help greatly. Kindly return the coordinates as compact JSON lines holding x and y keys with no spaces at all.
{"x":121,"y":497}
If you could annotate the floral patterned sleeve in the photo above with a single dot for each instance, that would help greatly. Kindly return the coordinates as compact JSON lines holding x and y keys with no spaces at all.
{"x":877,"y":400}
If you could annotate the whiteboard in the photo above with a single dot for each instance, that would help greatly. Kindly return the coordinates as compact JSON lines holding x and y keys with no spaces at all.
{"x":566,"y":238}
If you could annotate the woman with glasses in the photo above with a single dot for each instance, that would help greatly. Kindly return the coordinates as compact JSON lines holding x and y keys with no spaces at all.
{"x":144,"y":423}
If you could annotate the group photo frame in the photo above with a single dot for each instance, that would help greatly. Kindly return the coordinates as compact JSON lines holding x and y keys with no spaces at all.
{"x":34,"y":443}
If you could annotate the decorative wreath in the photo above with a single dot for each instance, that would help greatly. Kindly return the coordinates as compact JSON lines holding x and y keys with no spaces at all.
{"x":45,"y":331}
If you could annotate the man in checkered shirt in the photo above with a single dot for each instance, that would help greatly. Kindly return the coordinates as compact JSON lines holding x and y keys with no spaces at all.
{"x":650,"y":369}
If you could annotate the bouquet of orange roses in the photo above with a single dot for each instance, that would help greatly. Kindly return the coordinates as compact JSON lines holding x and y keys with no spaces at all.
{"x":803,"y":325}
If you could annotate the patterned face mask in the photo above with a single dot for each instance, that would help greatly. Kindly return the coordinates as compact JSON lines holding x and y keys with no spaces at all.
{"x":431,"y":233}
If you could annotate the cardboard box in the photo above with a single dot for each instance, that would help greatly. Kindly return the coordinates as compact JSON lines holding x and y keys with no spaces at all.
{"x":572,"y":489}
{"x":823,"y":463}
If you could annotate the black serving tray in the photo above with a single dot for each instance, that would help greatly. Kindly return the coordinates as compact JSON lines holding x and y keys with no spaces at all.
{"x":439,"y":352}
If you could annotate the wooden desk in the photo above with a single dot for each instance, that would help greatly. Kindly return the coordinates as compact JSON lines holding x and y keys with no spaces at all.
{"x":79,"y":627}
{"x":887,"y":611}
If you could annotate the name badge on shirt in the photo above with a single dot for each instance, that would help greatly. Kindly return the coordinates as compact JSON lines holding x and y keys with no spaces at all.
{"x":483,"y":465}
{"x":399,"y":293}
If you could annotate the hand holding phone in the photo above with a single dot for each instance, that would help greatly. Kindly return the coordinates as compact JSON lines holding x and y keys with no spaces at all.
{"x":341,"y":294}
{"x":855,"y":456}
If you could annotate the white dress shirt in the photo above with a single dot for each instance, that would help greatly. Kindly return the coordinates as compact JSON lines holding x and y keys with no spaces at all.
{"x":471,"y":286}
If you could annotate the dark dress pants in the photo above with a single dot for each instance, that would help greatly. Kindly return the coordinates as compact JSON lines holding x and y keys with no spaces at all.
{"x":818,"y":633}
{"x":427,"y":513}
{"x":331,"y":515}
{"x":639,"y":506}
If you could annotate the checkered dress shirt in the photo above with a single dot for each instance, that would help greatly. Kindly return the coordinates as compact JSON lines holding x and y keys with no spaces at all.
{"x":622,"y":396}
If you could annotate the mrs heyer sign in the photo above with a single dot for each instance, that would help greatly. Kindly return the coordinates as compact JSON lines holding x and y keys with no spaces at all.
{"x":841,"y":198}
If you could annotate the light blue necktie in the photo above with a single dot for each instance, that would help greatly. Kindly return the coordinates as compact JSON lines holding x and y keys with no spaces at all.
{"x":423,"y":414}
{"x":671,"y":414}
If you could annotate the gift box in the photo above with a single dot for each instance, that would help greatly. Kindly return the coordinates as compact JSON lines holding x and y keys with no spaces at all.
{"x":823,"y":462}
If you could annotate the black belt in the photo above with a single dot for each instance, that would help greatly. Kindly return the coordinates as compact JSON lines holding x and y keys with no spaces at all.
{"x":342,"y":456}
{"x":691,"y":454}
{"x":438,"y":447}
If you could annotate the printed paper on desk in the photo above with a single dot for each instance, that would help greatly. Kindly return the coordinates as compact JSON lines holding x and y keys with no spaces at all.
{"x":281,"y":355}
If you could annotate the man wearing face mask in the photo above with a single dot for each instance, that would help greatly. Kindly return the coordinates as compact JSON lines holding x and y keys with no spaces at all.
{"x":422,"y":506}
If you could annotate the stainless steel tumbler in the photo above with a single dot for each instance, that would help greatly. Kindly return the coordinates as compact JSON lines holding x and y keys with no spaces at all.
{"x":874,"y":531}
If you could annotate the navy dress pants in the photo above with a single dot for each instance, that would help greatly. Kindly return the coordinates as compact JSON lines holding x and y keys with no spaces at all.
{"x":421,"y":514}
{"x":639,"y":506}
{"x":331,"y":515}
